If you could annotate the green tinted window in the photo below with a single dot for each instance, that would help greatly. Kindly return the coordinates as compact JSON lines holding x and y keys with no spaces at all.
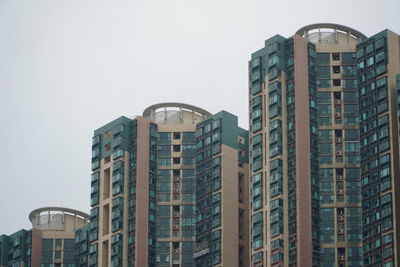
{"x":323,"y":59}
{"x":323,"y":72}
{"x":324,"y":97}
{"x":325,"y":135}
{"x":349,"y":58}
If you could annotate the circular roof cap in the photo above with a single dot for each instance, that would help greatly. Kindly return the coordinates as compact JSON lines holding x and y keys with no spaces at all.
{"x":331,"y":26}
{"x":148,"y":111}
{"x":58,"y":210}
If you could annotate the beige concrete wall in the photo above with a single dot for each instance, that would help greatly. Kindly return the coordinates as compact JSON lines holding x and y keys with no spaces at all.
{"x":36,"y":247}
{"x":229,"y":206}
{"x":303,"y":186}
{"x":142,"y":192}
{"x":71,"y":224}
{"x":393,"y":68}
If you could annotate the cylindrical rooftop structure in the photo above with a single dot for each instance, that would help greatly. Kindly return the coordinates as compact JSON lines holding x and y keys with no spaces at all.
{"x":58,"y":218}
{"x":175,"y":113}
{"x":328,"y":32}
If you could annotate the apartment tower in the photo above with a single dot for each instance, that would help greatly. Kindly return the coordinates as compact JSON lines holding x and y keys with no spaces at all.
{"x":144,"y":189}
{"x":324,"y":148}
{"x":50,"y":242}
{"x":222,"y":235}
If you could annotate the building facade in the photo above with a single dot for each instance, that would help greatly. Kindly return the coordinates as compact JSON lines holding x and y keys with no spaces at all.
{"x":143,"y":193}
{"x":222,"y":192}
{"x":50,"y":242}
{"x":323,"y":122}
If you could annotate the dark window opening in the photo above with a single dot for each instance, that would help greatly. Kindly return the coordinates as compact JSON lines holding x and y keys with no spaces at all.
{"x":335,"y":56}
{"x":336,"y":69}
{"x":336,"y":82}
{"x":177,"y":135}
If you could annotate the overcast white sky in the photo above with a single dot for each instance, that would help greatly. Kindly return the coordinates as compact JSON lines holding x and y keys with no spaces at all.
{"x":68,"y":67}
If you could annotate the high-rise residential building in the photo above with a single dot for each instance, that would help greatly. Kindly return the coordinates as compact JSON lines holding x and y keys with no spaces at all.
{"x":324,"y":149}
{"x":222,"y":235}
{"x":143,"y":193}
{"x":50,"y":242}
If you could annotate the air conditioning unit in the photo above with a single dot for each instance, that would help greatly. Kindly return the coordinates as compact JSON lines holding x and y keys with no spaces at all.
{"x":176,"y":179}
{"x":341,"y":258}
{"x":176,"y":250}
{"x":340,"y":218}
{"x":176,"y":227}
{"x":339,"y":153}
{"x":340,"y":191}
{"x":339,"y":177}
{"x":341,"y":231}
{"x":338,"y":139}
{"x":337,"y":101}
{"x":176,"y":190}
{"x":337,"y":115}
{"x":176,"y":215}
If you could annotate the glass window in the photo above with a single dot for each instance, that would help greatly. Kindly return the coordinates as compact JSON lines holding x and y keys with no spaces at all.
{"x":47,"y":257}
{"x":276,"y":257}
{"x":349,"y":84}
{"x":255,"y":62}
{"x":352,"y":147}
{"x":370,"y":61}
{"x":274,"y":87}
{"x":351,"y":135}
{"x":350,"y":97}
{"x":164,"y":161}
{"x":352,"y":159}
{"x":163,"y":197}
{"x":324,"y":121}
{"x":163,"y":186}
{"x":387,"y":238}
{"x":163,"y":210}
{"x":351,"y":121}
{"x":326,"y":174}
{"x":47,"y":244}
{"x":327,"y":225}
{"x":323,"y":72}
{"x":349,"y":58}
{"x":164,"y":138}
{"x":164,"y":175}
{"x":323,"y":59}
{"x":273,"y":73}
{"x":325,"y":135}
{"x":325,"y":148}
{"x":326,"y":188}
{"x":351,"y":109}
{"x":164,"y":150}
{"x":349,"y":71}
{"x":323,"y":83}
{"x":69,"y":244}
{"x":324,"y":109}
{"x":256,"y":88}
{"x":325,"y":160}
{"x":273,"y":61}
{"x":189,"y":137}
{"x":324,"y":97}
{"x":273,"y":47}
{"x":326,"y":199}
